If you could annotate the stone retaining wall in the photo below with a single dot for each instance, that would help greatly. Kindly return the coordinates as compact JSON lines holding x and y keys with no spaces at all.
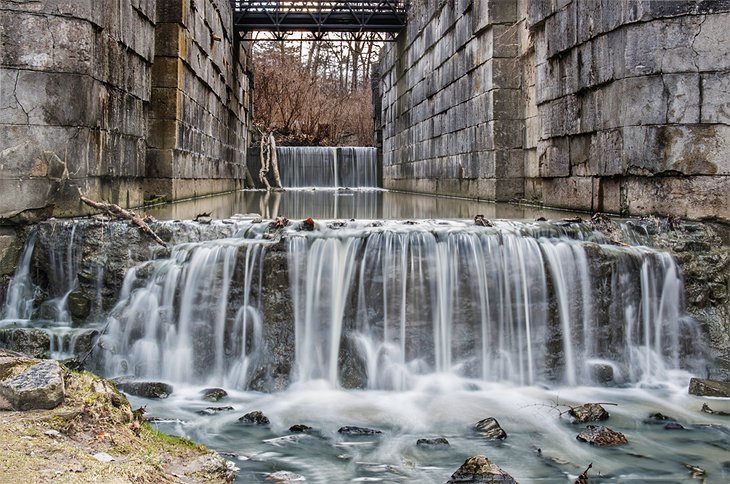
{"x":97,"y":95}
{"x":617,"y":106}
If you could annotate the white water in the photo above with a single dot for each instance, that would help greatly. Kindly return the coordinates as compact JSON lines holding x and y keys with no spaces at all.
{"x":319,"y":166}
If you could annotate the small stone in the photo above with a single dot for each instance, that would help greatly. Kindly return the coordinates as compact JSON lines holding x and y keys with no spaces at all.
{"x":213,"y":394}
{"x":40,"y":386}
{"x":255,"y":418}
{"x":709,"y":388}
{"x":601,"y":436}
{"x":589,"y":412}
{"x":480,"y":469}
{"x":104,"y":457}
{"x":490,"y":429}
{"x":352,"y":430}
{"x":54,"y":434}
{"x":658,"y":418}
{"x":284,"y":477}
{"x":673,"y":426}
{"x":214,"y":410}
{"x":432,"y":443}
{"x":299,"y":428}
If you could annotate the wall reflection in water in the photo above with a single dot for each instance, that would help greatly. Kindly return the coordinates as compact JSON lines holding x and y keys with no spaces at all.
{"x":344,"y":204}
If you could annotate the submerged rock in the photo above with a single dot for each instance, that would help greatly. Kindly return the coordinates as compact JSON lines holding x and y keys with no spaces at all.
{"x":433,"y":443}
{"x":28,"y":384}
{"x":709,"y":388}
{"x":213,"y":394}
{"x":658,"y":419}
{"x":255,"y":418}
{"x":352,"y":430}
{"x":490,"y":429}
{"x":589,"y":412}
{"x":32,"y":342}
{"x":145,"y":389}
{"x":480,"y":469}
{"x":601,"y":436}
{"x":673,"y":426}
{"x":214,"y":410}
{"x":284,"y":476}
{"x":706,"y":408}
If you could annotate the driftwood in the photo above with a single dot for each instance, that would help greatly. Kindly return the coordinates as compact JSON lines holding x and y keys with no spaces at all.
{"x":269,"y":161}
{"x":120,"y":213}
{"x":583,"y":478}
{"x":274,"y":160}
{"x":264,"y":164}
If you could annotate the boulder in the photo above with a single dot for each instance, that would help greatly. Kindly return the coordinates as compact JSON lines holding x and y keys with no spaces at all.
{"x":589,"y":412}
{"x":145,"y":389}
{"x":601,"y":436}
{"x":213,"y":394}
{"x":432,"y":443}
{"x":255,"y":418}
{"x":709,"y":388}
{"x":480,"y":469}
{"x":356,"y":431}
{"x":32,"y":384}
{"x":29,"y":341}
{"x":490,"y":429}
{"x":79,"y":305}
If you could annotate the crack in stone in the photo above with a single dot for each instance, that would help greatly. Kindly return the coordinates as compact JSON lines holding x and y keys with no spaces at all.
{"x":15,"y":95}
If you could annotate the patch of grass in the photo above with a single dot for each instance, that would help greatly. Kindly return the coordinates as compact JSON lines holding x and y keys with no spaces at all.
{"x":154,"y":435}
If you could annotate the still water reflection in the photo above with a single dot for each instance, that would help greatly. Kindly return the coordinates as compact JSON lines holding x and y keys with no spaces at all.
{"x":344,"y":204}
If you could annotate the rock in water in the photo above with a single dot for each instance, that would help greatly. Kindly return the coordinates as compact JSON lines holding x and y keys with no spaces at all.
{"x":37,"y":386}
{"x":299,"y":428}
{"x":432,"y":443}
{"x":284,"y":477}
{"x":145,"y":389}
{"x":490,"y":429}
{"x":214,"y":410}
{"x":255,"y":418}
{"x":601,"y":436}
{"x":214,"y":394}
{"x":589,"y":412}
{"x":658,"y":419}
{"x":352,"y":430}
{"x":709,"y":388}
{"x":480,"y":469}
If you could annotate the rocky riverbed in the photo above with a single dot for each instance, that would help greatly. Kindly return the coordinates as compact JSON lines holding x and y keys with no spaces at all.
{"x":77,"y":427}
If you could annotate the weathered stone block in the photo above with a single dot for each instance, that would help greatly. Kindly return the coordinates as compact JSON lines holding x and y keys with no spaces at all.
{"x":715,"y":106}
{"x":554,"y":157}
{"x":572,"y":192}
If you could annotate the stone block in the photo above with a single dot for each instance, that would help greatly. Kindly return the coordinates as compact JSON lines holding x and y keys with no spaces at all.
{"x":715,"y":106}
{"x":683,"y":93}
{"x":710,"y":44}
{"x":554,"y":157}
{"x":643,"y":100}
{"x":573,"y":192}
{"x":691,"y":197}
{"x":580,"y":152}
{"x":606,"y":153}
{"x":607,"y":195}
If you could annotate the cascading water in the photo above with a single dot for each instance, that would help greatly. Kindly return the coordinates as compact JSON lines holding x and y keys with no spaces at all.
{"x":491,"y":304}
{"x":319,"y":166}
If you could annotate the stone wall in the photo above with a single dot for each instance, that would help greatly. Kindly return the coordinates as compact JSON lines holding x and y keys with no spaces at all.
{"x":96,"y":96}
{"x":617,"y":106}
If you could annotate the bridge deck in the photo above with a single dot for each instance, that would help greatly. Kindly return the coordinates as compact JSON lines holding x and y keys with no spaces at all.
{"x":320,"y":17}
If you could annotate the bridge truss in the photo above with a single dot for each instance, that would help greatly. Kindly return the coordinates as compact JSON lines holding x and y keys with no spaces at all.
{"x":313,"y":20}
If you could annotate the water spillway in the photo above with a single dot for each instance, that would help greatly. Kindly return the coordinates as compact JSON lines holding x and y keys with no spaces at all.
{"x":321,"y":166}
{"x":414,"y":327}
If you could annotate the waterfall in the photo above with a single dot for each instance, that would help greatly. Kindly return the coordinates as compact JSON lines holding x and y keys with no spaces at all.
{"x":21,"y":292}
{"x":193,"y":317}
{"x":492,"y":304}
{"x":308,"y":166}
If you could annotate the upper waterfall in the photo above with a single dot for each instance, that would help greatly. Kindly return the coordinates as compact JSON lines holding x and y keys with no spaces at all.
{"x":320,"y":166}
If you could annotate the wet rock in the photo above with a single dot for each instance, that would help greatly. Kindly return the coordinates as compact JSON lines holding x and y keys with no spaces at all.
{"x":32,"y":342}
{"x":73,"y":364}
{"x":490,"y":429}
{"x":707,"y":409}
{"x":658,"y":419}
{"x":601,"y":436}
{"x":308,"y":224}
{"x":28,"y":384}
{"x":299,"y":428}
{"x":355,"y":431}
{"x":145,"y":389}
{"x":673,"y":426}
{"x":480,"y":469}
{"x":79,"y":305}
{"x":431,"y":443}
{"x":709,"y":388}
{"x":284,"y":477}
{"x":213,"y":394}
{"x":255,"y":418}
{"x":589,"y":412}
{"x":602,"y":374}
{"x":214,"y":410}
{"x":482,"y":221}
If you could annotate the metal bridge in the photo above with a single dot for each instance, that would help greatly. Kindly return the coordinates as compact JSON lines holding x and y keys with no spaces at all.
{"x":318,"y":18}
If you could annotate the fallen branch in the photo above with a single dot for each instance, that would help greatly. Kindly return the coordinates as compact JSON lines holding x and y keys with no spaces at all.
{"x":120,"y":213}
{"x":583,"y":478}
